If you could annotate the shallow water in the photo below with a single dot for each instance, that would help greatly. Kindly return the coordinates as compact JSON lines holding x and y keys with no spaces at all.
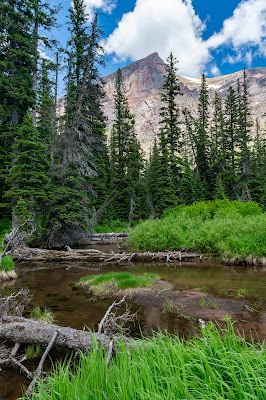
{"x":51,"y":285}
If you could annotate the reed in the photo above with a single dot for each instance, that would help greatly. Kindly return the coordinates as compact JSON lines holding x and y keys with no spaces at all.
{"x":214,"y":365}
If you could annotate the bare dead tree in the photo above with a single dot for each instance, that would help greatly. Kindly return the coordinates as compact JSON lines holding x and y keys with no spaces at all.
{"x":114,"y":324}
{"x":16,"y":238}
{"x":14,"y":304}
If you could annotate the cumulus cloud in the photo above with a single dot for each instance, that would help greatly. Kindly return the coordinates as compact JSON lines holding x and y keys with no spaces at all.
{"x":172,"y":25}
{"x":106,"y":6}
{"x":215,"y":70}
{"x":163,"y":26}
{"x":245,"y":27}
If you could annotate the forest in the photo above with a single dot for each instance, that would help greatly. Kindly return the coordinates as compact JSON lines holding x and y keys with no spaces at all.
{"x":64,"y":176}
{"x":192,"y":210}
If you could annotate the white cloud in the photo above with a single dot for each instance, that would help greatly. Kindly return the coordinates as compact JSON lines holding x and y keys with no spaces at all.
{"x":42,"y":51}
{"x":245,"y":27}
{"x":106,"y":6}
{"x":172,"y":25}
{"x":161,"y":26}
{"x":241,"y":56}
{"x":215,"y":70}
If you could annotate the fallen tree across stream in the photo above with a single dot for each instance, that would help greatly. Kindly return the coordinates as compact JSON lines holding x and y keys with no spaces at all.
{"x":91,"y":255}
{"x":28,"y":331}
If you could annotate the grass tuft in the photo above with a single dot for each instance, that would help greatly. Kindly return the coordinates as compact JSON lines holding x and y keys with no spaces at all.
{"x":7,"y":264}
{"x":215,"y":365}
{"x":115,"y":281}
{"x":44,"y":315}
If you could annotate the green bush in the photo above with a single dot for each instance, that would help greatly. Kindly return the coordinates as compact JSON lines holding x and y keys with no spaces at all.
{"x":226,"y":228}
{"x":216,"y":365}
{"x":115,"y":226}
{"x":7,"y":264}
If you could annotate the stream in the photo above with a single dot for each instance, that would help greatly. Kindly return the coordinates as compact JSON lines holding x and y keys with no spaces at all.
{"x":52,"y":285}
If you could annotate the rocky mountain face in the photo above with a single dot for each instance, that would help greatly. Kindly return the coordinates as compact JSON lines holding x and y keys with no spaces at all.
{"x":143,"y":80}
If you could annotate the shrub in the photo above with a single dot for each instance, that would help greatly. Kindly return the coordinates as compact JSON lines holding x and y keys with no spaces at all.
{"x":230,"y":229}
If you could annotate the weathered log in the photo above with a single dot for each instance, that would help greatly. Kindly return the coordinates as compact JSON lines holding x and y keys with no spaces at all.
{"x":28,"y":331}
{"x":31,"y":254}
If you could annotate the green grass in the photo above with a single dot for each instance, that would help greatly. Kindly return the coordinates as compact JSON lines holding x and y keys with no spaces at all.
{"x":228,"y":229}
{"x":5,"y":226}
{"x":114,"y":281}
{"x":33,"y":351}
{"x":211,"y":366}
{"x":44,"y":315}
{"x":7,"y":264}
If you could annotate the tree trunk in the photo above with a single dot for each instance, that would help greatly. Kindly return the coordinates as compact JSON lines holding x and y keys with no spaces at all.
{"x":22,"y":330}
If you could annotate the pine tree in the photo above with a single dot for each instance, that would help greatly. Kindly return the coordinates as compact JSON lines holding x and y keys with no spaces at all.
{"x":231,"y":142}
{"x":201,"y":135}
{"x":45,"y":104}
{"x":170,"y":115}
{"x":70,"y":199}
{"x":244,"y":138}
{"x":258,"y":168}
{"x":126,"y":161}
{"x":187,"y":185}
{"x":28,"y":174}
{"x":164,"y":194}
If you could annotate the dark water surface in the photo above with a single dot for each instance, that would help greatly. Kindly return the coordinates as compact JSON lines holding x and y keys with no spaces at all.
{"x":51,"y":286}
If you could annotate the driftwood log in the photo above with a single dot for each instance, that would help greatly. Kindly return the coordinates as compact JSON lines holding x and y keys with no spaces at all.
{"x":28,"y":331}
{"x":91,"y":255}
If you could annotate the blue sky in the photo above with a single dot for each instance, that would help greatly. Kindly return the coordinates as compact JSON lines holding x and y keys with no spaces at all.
{"x":210,"y":36}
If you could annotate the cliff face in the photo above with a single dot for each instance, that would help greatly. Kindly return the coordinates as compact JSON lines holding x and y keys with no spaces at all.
{"x":143,"y":80}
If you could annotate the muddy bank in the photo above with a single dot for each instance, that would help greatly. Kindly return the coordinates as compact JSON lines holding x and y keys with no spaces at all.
{"x":183,"y":303}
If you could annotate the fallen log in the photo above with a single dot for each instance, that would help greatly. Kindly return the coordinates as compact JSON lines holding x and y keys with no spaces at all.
{"x":28,"y":331}
{"x":31,"y":254}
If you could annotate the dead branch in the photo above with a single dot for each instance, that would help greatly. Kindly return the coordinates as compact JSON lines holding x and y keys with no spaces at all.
{"x":22,"y":367}
{"x":15,"y":303}
{"x":113,"y":325}
{"x":40,"y":366}
{"x":16,"y":238}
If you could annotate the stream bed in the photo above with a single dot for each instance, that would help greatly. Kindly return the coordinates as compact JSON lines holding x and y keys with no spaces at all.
{"x":52,"y":285}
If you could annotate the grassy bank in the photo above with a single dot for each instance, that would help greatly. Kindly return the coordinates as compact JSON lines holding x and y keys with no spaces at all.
{"x":229,"y":229}
{"x":107,"y":284}
{"x":210,"y":366}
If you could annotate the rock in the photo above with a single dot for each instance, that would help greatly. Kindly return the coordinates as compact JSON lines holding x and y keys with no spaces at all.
{"x":143,"y":81}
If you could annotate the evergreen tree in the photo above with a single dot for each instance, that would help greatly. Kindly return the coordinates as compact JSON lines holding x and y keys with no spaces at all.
{"x":258,"y":168}
{"x":28,"y":174}
{"x":201,"y":136}
{"x":231,"y":143}
{"x":46,"y":105}
{"x":164,"y":193}
{"x":170,"y":114}
{"x":126,"y":160}
{"x":244,"y":138}
{"x":70,"y":202}
{"x":187,"y":185}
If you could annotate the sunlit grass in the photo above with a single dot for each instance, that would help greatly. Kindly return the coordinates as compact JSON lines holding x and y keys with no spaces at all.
{"x":115,"y":281}
{"x":42,"y":315}
{"x":210,"y":366}
{"x":7,"y":264}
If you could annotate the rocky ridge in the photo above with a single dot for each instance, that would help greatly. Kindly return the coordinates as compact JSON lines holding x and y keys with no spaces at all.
{"x":143,"y":80}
